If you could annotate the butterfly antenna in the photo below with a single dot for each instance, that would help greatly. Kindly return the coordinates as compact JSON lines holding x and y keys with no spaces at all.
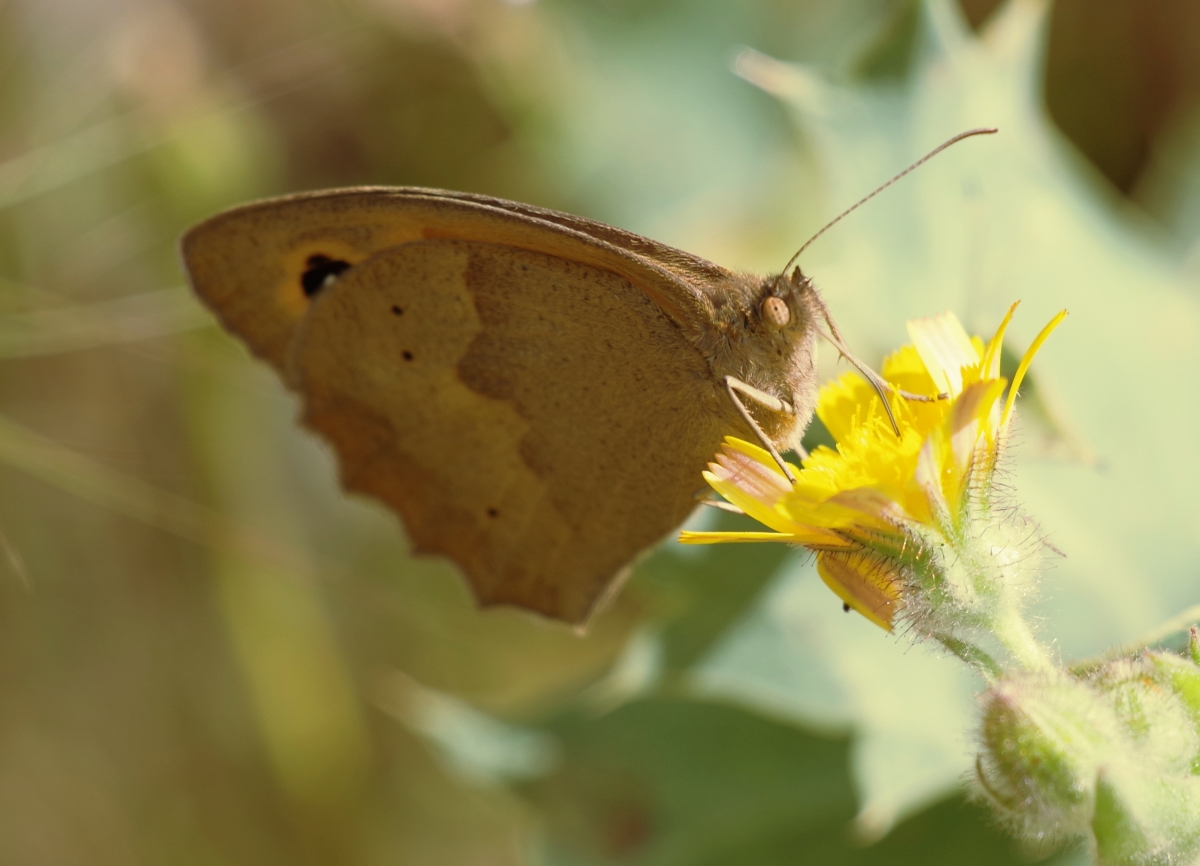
{"x":882,"y":386}
{"x":987,"y":130}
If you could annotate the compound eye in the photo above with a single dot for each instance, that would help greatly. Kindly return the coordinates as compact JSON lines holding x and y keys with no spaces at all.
{"x":775,"y":313}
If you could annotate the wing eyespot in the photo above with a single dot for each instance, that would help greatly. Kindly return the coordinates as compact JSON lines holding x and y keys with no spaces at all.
{"x":320,"y":272}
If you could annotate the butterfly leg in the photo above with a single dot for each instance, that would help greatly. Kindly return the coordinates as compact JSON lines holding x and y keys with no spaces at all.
{"x":704,"y":497}
{"x":732,"y":387}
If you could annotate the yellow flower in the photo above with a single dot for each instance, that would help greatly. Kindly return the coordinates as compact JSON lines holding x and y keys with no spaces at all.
{"x":882,"y":509}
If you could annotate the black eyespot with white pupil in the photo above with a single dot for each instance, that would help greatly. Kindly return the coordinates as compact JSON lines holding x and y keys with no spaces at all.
{"x":321,"y":271}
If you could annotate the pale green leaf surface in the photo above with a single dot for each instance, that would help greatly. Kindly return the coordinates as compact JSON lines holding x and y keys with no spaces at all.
{"x":797,"y":655}
{"x":653,"y":134}
{"x":673,"y":783}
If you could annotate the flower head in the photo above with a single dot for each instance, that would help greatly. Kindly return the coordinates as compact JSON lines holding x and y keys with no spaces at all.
{"x":898,"y":521}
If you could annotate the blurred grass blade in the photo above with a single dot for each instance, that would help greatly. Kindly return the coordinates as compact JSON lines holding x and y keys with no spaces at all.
{"x":92,"y":482}
{"x":1172,"y":633}
{"x":87,"y":326}
{"x":16,"y":562}
{"x":478,"y":747}
{"x":109,"y":142}
{"x":70,"y":158}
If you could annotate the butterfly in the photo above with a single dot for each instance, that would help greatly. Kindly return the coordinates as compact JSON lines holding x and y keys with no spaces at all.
{"x":535,"y":394}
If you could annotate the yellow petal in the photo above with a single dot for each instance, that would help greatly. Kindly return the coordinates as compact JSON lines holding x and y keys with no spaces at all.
{"x":749,"y":478}
{"x":905,"y":369}
{"x":1024,"y":366}
{"x":690,"y":537}
{"x":970,"y":419}
{"x":863,"y":583}
{"x":730,"y":487}
{"x":927,"y":475}
{"x":945,"y":348}
{"x":870,"y":506}
{"x":845,"y":403}
{"x":814,"y":539}
{"x":991,"y":357}
{"x":760,"y":455}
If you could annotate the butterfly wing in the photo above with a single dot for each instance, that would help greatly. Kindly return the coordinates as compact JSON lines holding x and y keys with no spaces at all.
{"x":516,"y":384}
{"x":258,"y":266}
{"x":693,"y":269}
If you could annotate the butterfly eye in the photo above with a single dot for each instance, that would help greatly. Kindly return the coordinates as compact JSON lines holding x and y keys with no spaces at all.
{"x":775,"y":313}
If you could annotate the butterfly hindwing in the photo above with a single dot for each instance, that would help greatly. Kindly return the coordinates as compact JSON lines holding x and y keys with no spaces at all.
{"x":532,"y":418}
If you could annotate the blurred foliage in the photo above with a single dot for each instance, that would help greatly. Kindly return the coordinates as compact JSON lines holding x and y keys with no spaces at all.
{"x":208,"y":655}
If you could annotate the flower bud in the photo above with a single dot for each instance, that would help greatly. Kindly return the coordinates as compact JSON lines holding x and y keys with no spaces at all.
{"x":1183,"y":677}
{"x":1147,"y":695}
{"x":1143,"y":818}
{"x":1044,"y":737}
{"x":1113,"y":755}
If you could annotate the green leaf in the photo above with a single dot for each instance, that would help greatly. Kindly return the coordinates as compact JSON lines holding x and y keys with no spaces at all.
{"x":699,"y":593}
{"x":797,"y":655}
{"x":674,"y":783}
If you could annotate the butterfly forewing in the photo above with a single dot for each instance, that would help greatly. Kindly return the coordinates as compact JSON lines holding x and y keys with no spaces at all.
{"x":258,"y":266}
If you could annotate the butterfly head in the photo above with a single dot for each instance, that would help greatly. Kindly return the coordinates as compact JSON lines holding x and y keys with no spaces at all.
{"x":789,"y":304}
{"x":784,"y":317}
{"x":769,"y":342}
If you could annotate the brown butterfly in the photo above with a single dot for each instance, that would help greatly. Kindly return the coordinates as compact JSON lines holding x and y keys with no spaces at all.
{"x":535,"y":394}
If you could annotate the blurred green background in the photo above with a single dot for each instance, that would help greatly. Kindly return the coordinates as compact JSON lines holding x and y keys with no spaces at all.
{"x":208,"y":655}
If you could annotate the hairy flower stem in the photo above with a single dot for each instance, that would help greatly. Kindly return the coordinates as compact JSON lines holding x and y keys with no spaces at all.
{"x":973,"y":656}
{"x":1026,"y":651}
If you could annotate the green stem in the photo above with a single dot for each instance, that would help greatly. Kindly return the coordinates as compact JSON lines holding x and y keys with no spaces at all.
{"x":973,"y":656}
{"x":1015,"y":636}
